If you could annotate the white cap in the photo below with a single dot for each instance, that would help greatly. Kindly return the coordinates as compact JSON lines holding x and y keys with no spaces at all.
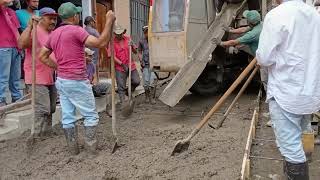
{"x":88,"y":51}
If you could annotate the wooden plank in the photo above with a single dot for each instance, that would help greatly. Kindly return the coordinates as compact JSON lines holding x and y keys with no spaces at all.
{"x":199,"y":57}
{"x":245,"y":169}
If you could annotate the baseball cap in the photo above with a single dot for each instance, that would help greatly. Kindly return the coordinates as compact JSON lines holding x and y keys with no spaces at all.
{"x":144,"y":28}
{"x":88,"y":19}
{"x":88,"y":51}
{"x":252,"y":16}
{"x":46,"y":11}
{"x":67,"y":10}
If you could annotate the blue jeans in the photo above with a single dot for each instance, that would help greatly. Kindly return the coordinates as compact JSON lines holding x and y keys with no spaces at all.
{"x":148,"y":77}
{"x":288,"y":129}
{"x":10,"y":64}
{"x":76,"y":94}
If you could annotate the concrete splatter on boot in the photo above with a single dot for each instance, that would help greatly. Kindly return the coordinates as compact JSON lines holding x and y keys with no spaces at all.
{"x":152,"y":95}
{"x":47,"y":127}
{"x":296,"y":171}
{"x":147,"y":93}
{"x":72,"y":140}
{"x":109,"y":105}
{"x":91,"y":142}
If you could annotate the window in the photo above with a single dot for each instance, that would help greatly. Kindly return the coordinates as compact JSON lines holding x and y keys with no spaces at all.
{"x":139,"y":15}
{"x":168,"y":16}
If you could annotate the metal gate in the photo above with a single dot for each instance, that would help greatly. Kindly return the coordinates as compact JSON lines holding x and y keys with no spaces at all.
{"x":139,"y":15}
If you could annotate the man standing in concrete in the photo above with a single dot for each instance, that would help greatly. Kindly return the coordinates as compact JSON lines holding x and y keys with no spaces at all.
{"x":10,"y":60}
{"x":289,"y":47}
{"x":24,"y":15}
{"x":72,"y":82}
{"x":250,"y":38}
{"x":46,"y":93}
{"x":90,"y":23}
{"x":121,"y":48}
{"x":148,"y":75}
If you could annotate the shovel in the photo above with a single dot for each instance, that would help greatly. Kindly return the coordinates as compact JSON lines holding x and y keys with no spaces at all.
{"x":128,"y":106}
{"x":30,"y":139}
{"x":113,"y":96}
{"x":221,"y":121}
{"x":183,"y":145}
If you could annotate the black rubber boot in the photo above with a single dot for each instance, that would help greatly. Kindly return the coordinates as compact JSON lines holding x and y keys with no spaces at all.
{"x":147,"y":93}
{"x":90,"y":139}
{"x":109,"y":105}
{"x":47,"y":127}
{"x":152,"y":95}
{"x":72,"y":140}
{"x":296,"y":171}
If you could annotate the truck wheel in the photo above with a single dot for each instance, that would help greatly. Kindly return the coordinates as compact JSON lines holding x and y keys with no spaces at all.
{"x":207,"y":83}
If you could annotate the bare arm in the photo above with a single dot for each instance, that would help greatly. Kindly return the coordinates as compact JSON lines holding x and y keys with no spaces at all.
{"x":117,"y":61}
{"x":24,"y":41}
{"x":240,"y":30}
{"x":105,"y":37}
{"x":45,"y":58}
{"x":230,"y":43}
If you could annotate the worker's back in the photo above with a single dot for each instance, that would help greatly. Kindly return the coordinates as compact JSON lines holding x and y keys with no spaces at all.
{"x":290,"y":46}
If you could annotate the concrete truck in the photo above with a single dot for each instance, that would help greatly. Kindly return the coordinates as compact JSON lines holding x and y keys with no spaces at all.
{"x":182,"y":38}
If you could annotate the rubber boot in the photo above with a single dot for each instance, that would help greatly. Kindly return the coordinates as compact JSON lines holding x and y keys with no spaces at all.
{"x":147,"y":93}
{"x":109,"y":105}
{"x":72,"y":140}
{"x":122,"y":98}
{"x":296,"y":171}
{"x":90,"y":139}
{"x":46,"y":129}
{"x":36,"y":130}
{"x":152,"y":95}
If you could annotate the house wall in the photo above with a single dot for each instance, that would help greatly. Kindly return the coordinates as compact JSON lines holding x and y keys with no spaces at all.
{"x":122,"y":12}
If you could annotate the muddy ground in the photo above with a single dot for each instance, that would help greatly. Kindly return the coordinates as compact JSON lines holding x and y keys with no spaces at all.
{"x":149,"y":136}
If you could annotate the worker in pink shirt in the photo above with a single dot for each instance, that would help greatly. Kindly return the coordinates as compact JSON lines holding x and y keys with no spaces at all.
{"x":68,"y":43}
{"x":121,"y":48}
{"x":10,"y":59}
{"x":46,"y":92}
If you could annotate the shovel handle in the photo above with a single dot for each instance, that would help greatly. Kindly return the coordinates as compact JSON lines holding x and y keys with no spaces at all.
{"x":34,"y":56}
{"x":130,"y":63}
{"x":113,"y":87}
{"x":235,"y":84}
{"x":243,"y":88}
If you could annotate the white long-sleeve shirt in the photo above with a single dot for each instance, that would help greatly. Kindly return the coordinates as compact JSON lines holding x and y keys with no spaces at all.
{"x":290,"y":48}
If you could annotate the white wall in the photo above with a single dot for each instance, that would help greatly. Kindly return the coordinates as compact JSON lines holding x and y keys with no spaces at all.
{"x":86,"y":8}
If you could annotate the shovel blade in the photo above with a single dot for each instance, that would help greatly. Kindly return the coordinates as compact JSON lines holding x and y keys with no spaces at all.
{"x":115,"y":147}
{"x":180,"y":147}
{"x":127,"y":109}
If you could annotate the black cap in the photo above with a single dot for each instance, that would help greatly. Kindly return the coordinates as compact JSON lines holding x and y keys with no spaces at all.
{"x":88,"y":19}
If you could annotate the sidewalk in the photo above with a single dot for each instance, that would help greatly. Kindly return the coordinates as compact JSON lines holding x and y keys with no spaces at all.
{"x":20,"y":120}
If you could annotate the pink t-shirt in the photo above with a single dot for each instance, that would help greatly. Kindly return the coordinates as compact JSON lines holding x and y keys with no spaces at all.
{"x":67,"y":43}
{"x":9,"y":25}
{"x":44,"y":74}
{"x":121,"y":49}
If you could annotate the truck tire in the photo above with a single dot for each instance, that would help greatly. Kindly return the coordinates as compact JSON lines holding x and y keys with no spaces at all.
{"x":207,"y":83}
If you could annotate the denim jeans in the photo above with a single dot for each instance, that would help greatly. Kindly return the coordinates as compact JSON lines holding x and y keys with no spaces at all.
{"x":10,"y":64}
{"x":121,"y":79}
{"x":148,"y":77}
{"x":77,"y":94}
{"x":288,"y":129}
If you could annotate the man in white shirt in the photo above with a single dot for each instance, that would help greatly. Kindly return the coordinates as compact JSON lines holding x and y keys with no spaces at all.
{"x":290,"y":48}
